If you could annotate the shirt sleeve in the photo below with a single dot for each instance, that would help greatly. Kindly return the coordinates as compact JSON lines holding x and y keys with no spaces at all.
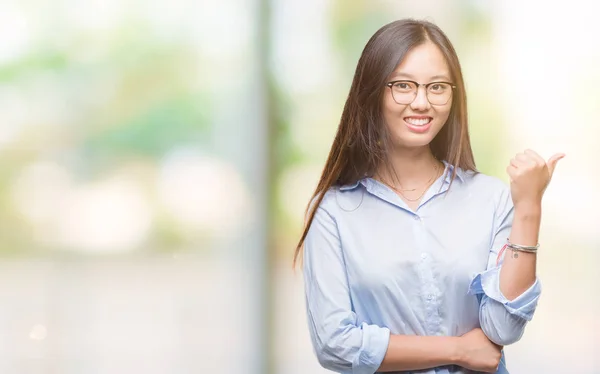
{"x":340,"y":343}
{"x":502,"y":320}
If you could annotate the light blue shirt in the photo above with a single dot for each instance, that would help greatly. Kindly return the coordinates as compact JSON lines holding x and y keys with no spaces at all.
{"x":374,"y":267}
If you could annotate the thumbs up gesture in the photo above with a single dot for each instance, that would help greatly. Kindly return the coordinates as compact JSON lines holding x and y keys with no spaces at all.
{"x":529,"y":176}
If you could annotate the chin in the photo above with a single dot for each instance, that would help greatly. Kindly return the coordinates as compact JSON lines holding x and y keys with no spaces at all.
{"x":412,"y":141}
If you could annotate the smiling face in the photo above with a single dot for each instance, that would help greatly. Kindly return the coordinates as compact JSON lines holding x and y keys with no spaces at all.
{"x":415,"y":124}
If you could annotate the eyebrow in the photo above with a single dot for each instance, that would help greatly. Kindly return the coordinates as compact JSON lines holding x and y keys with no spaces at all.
{"x":435,"y":77}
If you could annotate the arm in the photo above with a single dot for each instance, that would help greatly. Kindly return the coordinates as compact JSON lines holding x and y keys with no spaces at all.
{"x":518,"y":273}
{"x":473,"y":351}
{"x":510,"y":290}
{"x":341,"y":343}
{"x":419,"y":352}
{"x":529,"y":175}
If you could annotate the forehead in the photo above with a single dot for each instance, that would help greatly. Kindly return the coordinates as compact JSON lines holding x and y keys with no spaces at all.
{"x":422,"y":63}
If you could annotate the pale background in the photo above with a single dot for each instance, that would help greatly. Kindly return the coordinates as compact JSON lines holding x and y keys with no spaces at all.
{"x":156,"y":158}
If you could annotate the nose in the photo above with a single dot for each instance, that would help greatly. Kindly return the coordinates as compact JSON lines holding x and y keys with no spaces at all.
{"x":420,"y":103}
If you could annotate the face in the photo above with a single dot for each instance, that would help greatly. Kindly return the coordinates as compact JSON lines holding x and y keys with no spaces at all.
{"x":416,"y":124}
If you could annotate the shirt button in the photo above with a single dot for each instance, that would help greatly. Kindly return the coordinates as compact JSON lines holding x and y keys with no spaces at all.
{"x":430,"y":297}
{"x":423,"y":255}
{"x":416,"y":218}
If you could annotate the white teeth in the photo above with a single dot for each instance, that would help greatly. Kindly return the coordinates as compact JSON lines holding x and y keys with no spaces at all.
{"x":417,"y":122}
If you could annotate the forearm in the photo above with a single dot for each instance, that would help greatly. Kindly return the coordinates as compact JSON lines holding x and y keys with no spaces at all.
{"x":409,"y":352}
{"x":518,"y":271}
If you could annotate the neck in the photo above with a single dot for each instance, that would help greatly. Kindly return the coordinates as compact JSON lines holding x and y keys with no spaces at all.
{"x":409,"y":167}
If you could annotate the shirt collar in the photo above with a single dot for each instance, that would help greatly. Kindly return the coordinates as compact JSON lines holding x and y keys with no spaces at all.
{"x":460,"y":174}
{"x":351,"y":186}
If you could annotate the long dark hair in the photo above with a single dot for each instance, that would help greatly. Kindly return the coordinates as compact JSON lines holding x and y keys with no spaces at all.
{"x":361,"y":143}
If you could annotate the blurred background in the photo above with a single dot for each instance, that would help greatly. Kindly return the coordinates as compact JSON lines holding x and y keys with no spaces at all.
{"x":156,"y":158}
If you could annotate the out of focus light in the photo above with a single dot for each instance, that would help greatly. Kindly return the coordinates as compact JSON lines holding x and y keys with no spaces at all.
{"x":40,"y":190}
{"x":203,"y":193}
{"x":234,"y":31}
{"x":95,"y":15}
{"x":38,"y":332}
{"x":296,"y":45}
{"x":109,"y":216}
{"x":15,"y":31}
{"x":15,"y":110}
{"x":296,"y":187}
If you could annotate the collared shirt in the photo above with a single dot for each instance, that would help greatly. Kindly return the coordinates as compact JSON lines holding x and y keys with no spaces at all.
{"x":374,"y":267}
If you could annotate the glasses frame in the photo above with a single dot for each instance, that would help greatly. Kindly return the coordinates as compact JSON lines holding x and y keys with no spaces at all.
{"x":426,"y":85}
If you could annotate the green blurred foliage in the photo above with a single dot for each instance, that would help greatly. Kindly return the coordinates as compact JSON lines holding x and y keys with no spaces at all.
{"x":126,"y":97}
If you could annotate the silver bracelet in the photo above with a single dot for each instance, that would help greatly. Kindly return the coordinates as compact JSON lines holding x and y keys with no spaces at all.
{"x":522,"y":248}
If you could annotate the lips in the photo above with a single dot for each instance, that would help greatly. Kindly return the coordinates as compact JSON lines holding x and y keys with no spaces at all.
{"x":418,"y":124}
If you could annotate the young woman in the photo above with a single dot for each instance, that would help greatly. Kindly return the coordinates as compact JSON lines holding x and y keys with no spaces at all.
{"x":404,"y":248}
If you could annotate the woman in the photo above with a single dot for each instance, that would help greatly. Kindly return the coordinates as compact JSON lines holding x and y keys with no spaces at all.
{"x":403,"y":250}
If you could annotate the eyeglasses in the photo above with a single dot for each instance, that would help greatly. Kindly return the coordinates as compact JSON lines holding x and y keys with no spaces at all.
{"x":404,"y":92}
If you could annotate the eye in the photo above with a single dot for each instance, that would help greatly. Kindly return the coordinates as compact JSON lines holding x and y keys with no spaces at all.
{"x":439,"y":88}
{"x":403,"y":86}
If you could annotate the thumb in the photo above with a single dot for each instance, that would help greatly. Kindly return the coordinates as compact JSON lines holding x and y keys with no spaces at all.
{"x":552,"y":161}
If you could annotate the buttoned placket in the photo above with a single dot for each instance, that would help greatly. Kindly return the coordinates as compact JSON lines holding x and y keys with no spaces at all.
{"x":429,"y":288}
{"x":430,"y":291}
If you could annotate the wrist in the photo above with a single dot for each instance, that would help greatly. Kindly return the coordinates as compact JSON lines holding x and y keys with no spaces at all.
{"x":457,"y":352}
{"x":528,"y":208}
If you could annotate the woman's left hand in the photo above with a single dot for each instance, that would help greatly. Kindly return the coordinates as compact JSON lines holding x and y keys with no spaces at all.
{"x":529,"y":176}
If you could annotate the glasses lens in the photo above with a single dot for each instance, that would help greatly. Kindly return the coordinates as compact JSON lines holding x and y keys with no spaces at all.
{"x":404,"y":92}
{"x":439,"y":93}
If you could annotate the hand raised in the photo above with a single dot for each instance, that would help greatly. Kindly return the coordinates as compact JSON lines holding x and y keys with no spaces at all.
{"x":529,"y":176}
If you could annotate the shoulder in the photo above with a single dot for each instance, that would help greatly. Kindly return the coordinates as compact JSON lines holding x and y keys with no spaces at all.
{"x":487,"y":186}
{"x":484,"y":181}
{"x":342,"y":198}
